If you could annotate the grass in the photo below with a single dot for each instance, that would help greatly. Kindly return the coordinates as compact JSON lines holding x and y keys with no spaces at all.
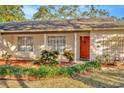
{"x":58,"y":82}
{"x":107,"y":78}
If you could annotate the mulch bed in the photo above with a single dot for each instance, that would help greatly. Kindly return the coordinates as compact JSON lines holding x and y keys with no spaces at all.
{"x":28,"y":63}
{"x":20,"y":63}
{"x":113,"y":66}
{"x":66,"y":64}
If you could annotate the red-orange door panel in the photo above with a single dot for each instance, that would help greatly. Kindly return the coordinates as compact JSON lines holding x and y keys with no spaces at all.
{"x":84,"y":47}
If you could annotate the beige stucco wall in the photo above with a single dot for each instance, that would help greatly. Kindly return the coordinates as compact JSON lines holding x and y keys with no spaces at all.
{"x":70,"y":41}
{"x":6,"y":44}
{"x":96,"y":36}
{"x":9,"y":43}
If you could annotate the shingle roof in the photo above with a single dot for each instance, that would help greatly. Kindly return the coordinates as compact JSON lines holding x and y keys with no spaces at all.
{"x":61,"y":25}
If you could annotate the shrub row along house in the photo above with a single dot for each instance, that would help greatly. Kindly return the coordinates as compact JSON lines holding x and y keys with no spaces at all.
{"x":86,"y":37}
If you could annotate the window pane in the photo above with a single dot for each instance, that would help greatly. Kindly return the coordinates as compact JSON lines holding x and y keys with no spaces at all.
{"x":113,"y":45}
{"x":25,"y":44}
{"x":56,"y":42}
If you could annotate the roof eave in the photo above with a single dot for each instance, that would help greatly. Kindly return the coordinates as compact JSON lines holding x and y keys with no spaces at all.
{"x":115,"y":28}
{"x":45,"y":31}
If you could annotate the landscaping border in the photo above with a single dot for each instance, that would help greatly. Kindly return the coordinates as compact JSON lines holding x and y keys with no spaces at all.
{"x":11,"y":72}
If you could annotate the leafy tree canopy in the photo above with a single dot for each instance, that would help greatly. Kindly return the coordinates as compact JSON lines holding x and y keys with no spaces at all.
{"x":93,"y":12}
{"x":69,"y":12}
{"x":11,"y":13}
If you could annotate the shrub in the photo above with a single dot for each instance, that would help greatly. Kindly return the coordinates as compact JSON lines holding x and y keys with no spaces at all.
{"x":91,"y":65}
{"x":116,"y":60}
{"x":69,"y":54}
{"x":42,"y":71}
{"x":77,"y":67}
{"x":48,"y":71}
{"x":10,"y":70}
{"x":52,"y":71}
{"x":55,"y":54}
{"x":53,"y":62}
{"x":70,"y":71}
{"x":98,"y":59}
{"x":64,"y":71}
{"x":29,"y":71}
{"x":6,"y":56}
{"x":80,"y":68}
{"x":47,"y":57}
{"x":116,"y":63}
{"x":107,"y":59}
{"x":104,"y":59}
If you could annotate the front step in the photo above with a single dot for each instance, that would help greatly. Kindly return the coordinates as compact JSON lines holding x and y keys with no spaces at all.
{"x":84,"y":59}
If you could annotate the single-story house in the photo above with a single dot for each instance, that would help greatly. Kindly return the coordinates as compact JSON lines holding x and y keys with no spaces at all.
{"x":86,"y":37}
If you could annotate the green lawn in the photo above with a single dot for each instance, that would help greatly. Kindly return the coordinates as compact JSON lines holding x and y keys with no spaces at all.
{"x":109,"y":78}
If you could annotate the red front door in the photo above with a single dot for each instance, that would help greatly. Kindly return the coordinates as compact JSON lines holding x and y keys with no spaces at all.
{"x":84,"y":47}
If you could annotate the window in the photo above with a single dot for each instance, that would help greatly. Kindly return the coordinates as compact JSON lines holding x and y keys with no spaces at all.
{"x":56,"y":43}
{"x":25,"y":43}
{"x":113,"y":45}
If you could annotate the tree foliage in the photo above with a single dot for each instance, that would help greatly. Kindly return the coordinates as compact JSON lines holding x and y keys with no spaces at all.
{"x":93,"y":11}
{"x":11,"y":13}
{"x":69,"y":12}
{"x":56,"y":12}
{"x":45,"y":13}
{"x":48,"y":12}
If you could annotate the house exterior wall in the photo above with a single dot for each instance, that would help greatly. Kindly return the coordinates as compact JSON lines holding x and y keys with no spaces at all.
{"x":6,"y":44}
{"x":97,"y":36}
{"x":9,"y":43}
{"x":38,"y":43}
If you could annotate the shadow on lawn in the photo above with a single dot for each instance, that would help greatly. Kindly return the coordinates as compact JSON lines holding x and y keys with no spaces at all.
{"x":93,"y":83}
{"x":21,"y":82}
{"x":103,"y":80}
{"x":4,"y":82}
{"x":117,"y":76}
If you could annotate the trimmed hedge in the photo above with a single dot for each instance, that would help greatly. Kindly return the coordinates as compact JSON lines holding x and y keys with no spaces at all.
{"x":48,"y":71}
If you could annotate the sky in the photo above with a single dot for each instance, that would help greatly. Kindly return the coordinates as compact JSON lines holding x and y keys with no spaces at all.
{"x":114,"y":10}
